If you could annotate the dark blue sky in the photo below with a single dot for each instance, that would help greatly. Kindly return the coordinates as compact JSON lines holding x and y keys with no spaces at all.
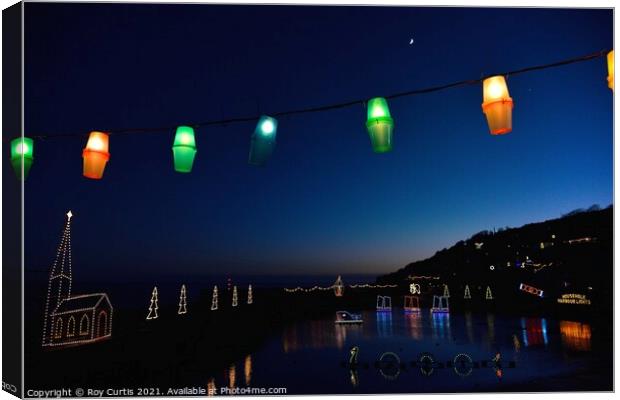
{"x":325,"y":203}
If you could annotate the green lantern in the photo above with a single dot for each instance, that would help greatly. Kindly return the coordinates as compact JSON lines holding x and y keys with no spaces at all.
{"x":184,"y":149}
{"x":380,"y":125}
{"x":263,"y":140}
{"x":22,"y":149}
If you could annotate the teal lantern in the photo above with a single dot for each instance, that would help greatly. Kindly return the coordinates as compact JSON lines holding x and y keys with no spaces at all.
{"x":22,"y":150}
{"x":380,"y":125}
{"x":184,"y":149}
{"x":263,"y":140}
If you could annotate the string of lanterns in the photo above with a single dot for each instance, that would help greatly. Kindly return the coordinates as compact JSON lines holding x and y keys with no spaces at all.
{"x":497,"y":106}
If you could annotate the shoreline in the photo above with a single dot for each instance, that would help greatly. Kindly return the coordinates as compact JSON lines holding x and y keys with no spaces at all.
{"x":180,"y":350}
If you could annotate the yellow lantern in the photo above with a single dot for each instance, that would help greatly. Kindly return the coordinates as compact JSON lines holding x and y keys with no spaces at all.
{"x":610,"y":70}
{"x":497,"y":105}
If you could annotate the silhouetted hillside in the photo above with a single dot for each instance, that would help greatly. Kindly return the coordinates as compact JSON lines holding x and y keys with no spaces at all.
{"x":565,"y":255}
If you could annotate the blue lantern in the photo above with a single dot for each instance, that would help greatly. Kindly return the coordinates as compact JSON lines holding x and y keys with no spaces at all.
{"x":263,"y":140}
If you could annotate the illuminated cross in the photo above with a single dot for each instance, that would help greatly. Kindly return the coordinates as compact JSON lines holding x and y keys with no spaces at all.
{"x":69,"y":215}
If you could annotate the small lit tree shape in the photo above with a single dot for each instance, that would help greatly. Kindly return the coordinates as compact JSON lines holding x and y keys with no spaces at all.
{"x":467,"y":292}
{"x":489,"y":295}
{"x":446,"y":291}
{"x":214,"y":299}
{"x":183,"y":301}
{"x":235,"y":298}
{"x":250,"y":299}
{"x":153,"y":307}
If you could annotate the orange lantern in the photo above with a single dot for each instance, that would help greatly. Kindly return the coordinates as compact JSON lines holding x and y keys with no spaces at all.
{"x":610,"y":70}
{"x":497,"y":105}
{"x":96,"y":155}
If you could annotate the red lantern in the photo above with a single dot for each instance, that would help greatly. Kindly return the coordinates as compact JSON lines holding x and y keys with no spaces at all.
{"x":96,"y":155}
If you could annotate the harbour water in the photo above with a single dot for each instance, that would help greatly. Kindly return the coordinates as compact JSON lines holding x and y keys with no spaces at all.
{"x":423,"y":352}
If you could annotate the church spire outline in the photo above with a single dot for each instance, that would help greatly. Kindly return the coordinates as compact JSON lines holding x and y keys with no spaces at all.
{"x":60,"y":279}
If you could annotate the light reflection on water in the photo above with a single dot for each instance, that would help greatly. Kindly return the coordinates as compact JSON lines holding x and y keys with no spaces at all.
{"x":534,"y":331}
{"x":469,"y":326}
{"x":491,"y":327}
{"x":321,"y":334}
{"x":232,"y":376}
{"x":211,"y":388}
{"x":414,"y":322}
{"x":441,"y":326}
{"x":247,"y":369}
{"x":307,"y":356}
{"x":576,"y":335}
{"x":384,"y":323}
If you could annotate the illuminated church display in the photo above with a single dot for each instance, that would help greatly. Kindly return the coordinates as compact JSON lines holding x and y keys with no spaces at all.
{"x":72,"y":320}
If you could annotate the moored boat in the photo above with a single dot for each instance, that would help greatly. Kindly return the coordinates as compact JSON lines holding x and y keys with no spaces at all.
{"x":345,"y":317}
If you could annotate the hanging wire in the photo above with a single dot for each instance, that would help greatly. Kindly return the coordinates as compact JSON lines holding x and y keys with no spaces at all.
{"x":129,"y":131}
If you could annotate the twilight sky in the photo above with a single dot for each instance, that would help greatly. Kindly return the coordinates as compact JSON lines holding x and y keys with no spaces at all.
{"x":325,"y":203}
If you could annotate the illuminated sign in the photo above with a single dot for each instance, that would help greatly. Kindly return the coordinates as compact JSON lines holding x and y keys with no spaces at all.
{"x":531,"y":290}
{"x":574,"y":298}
